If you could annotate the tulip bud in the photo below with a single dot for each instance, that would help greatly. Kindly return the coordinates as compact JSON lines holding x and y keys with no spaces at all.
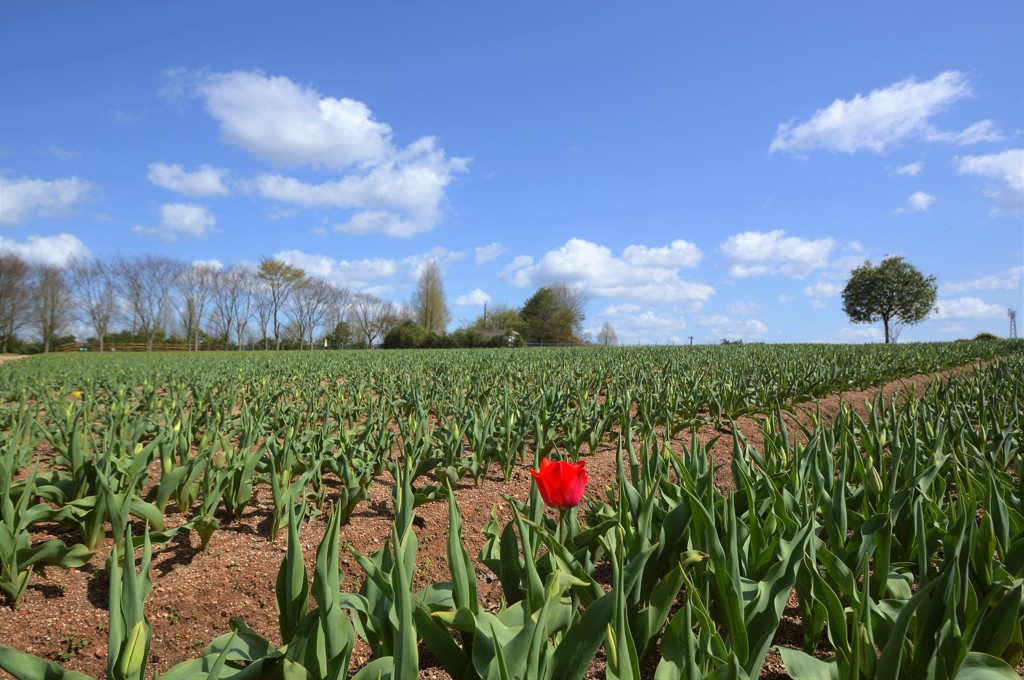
{"x":132,"y":659}
{"x":875,"y":481}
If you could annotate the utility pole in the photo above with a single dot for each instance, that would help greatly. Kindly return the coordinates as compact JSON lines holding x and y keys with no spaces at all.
{"x":1012,"y":313}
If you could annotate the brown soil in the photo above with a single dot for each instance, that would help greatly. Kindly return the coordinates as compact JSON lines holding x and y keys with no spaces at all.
{"x":64,"y":617}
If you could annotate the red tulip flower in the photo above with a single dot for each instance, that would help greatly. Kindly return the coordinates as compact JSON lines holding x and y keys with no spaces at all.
{"x":561,"y":484}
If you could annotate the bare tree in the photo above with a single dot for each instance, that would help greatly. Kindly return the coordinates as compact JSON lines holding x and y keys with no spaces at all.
{"x":14,"y":296}
{"x":233,"y":302}
{"x":311,"y":306}
{"x":92,"y":286}
{"x":196,"y":286}
{"x":338,"y":310}
{"x":147,"y":284}
{"x":372,"y":316}
{"x":572,"y":300}
{"x":607,"y":336}
{"x":428,"y":305}
{"x":51,"y":302}
{"x":281,"y":280}
{"x":262,"y":309}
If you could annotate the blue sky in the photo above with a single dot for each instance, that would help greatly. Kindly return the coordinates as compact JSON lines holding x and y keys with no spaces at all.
{"x":697,"y":169}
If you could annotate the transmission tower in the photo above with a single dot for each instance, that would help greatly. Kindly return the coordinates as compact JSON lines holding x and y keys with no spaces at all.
{"x":1012,"y":313}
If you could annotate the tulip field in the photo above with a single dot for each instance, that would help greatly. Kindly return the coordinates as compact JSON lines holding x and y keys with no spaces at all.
{"x":549,"y":513}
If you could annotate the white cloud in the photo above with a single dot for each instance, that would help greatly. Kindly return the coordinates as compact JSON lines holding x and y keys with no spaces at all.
{"x":842,"y":266}
{"x":179,"y":83}
{"x":1006,"y":167}
{"x":982,"y":131}
{"x":741,"y":308}
{"x":379,"y":222}
{"x":1008,"y":280}
{"x":754,"y":253}
{"x":967,"y":308}
{"x":678,"y":254}
{"x":783,"y":297}
{"x":399,"y":197}
{"x":372,"y":275}
{"x":23,"y":199}
{"x":287,"y":124}
{"x":439,"y":255}
{"x":621,"y":310}
{"x":733,"y":329}
{"x":180,"y":219}
{"x":491,"y":251}
{"x":910,"y":169}
{"x":388,"y":189}
{"x":919,"y":201}
{"x":206,"y":181}
{"x":59,"y":152}
{"x":885,"y":117}
{"x":210,"y":264}
{"x":360,"y":275}
{"x":53,"y":250}
{"x":592,"y":267}
{"x":285,"y":213}
{"x":477,"y":298}
{"x":823,"y":289}
{"x":120,"y":115}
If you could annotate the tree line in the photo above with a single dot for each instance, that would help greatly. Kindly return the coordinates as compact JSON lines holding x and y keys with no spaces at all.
{"x":146,"y":298}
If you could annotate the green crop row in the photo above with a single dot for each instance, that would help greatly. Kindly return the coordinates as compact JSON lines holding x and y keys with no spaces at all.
{"x":901,"y":533}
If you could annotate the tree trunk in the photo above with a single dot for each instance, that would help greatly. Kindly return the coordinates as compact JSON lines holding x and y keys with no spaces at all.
{"x":885,"y":322}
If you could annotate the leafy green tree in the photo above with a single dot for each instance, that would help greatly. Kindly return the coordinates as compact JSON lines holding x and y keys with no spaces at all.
{"x":280,"y":280}
{"x":341,"y":336}
{"x":409,"y":335}
{"x":429,"y":307}
{"x":893,"y":290}
{"x":499,"y":317}
{"x":548,"y":320}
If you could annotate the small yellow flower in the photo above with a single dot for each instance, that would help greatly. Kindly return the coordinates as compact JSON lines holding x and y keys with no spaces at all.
{"x":77,"y":394}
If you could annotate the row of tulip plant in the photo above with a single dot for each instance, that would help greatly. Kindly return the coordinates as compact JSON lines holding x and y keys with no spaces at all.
{"x":219,"y":425}
{"x":901,"y":534}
